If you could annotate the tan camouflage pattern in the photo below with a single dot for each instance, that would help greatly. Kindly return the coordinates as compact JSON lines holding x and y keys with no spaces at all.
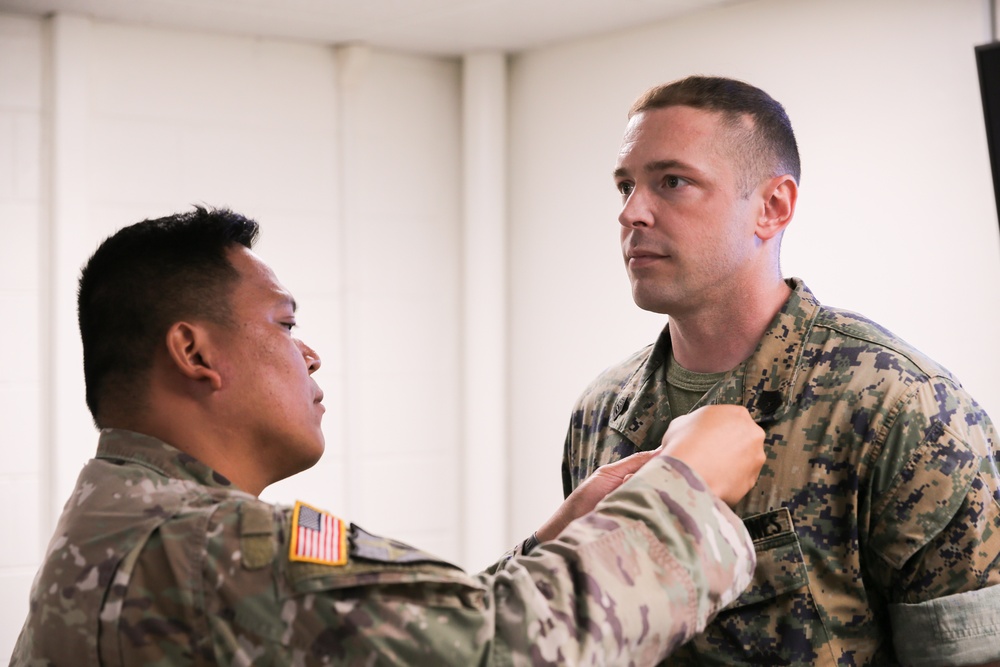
{"x":158,"y":560}
{"x":880,"y":488}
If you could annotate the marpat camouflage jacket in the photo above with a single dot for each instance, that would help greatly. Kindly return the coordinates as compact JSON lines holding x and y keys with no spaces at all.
{"x":876,"y":517}
{"x":159,"y":560}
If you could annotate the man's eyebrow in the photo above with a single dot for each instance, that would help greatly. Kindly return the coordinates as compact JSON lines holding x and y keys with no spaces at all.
{"x":663,"y":165}
{"x":653,"y":167}
{"x":285,"y":298}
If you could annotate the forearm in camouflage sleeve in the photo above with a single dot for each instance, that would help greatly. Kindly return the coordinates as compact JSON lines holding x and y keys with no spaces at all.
{"x":628,"y":583}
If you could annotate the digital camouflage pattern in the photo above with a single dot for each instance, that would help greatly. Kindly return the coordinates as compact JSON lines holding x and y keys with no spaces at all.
{"x":879,"y":495}
{"x":158,"y":560}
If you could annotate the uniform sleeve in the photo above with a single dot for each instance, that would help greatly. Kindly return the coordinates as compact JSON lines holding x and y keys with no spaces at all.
{"x":627,"y":583}
{"x":936,"y":529}
{"x":623,"y":585}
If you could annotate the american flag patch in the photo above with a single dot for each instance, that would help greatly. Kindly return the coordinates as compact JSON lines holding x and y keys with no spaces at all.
{"x":317,"y":536}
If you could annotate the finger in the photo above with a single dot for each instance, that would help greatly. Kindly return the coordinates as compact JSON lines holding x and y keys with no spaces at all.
{"x":629,"y":464}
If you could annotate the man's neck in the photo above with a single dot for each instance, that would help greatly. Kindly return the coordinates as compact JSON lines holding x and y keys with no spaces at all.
{"x":719,"y":338}
{"x":189,"y":429}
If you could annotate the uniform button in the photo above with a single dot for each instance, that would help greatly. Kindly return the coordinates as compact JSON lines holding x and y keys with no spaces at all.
{"x":769,"y":402}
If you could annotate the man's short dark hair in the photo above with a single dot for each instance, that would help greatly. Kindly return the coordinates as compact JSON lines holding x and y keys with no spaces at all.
{"x":139,"y":282}
{"x":763,"y":149}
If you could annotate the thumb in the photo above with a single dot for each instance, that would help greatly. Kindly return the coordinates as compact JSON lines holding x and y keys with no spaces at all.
{"x":630,"y":464}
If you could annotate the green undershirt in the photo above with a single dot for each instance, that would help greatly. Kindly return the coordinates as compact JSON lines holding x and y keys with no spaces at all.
{"x":685,"y":388}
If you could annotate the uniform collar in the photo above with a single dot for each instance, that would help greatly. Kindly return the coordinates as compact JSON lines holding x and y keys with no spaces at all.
{"x":762,"y":383}
{"x":766,"y":379}
{"x":119,"y":445}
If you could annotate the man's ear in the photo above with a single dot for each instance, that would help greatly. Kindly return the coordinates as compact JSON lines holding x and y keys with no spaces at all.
{"x":190,"y":349}
{"x":780,"y":194}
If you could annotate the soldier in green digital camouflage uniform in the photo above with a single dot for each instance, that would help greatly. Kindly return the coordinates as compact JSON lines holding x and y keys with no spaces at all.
{"x":165,"y":556}
{"x":875,"y":517}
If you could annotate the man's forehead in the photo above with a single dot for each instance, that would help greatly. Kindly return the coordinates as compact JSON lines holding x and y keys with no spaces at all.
{"x":675,"y":116}
{"x":257,"y":275}
{"x":672,"y":128}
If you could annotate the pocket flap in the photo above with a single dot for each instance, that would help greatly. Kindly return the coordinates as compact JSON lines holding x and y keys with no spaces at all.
{"x":780,"y":565}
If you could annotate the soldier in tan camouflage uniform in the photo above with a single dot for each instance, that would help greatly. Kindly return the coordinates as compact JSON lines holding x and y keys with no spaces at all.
{"x":165,"y":556}
{"x":876,"y":518}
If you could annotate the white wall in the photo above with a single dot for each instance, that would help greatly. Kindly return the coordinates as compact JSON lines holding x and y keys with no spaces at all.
{"x":22,"y":211}
{"x":401,"y":211}
{"x":895,"y":220}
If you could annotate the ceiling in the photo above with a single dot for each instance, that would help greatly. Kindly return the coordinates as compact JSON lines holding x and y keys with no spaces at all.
{"x":440,"y":27}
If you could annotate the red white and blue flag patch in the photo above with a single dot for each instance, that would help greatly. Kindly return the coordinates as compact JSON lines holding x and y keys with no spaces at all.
{"x":317,"y":536}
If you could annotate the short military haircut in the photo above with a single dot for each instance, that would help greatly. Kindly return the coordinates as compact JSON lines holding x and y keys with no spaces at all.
{"x":764,"y":148}
{"x":141,"y":281}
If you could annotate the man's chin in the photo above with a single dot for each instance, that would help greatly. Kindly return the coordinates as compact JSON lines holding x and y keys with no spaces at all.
{"x":306,"y":459}
{"x":314,"y":456}
{"x":652,"y":303}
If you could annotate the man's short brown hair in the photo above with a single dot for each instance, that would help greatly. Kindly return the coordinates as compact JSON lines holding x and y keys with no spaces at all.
{"x":761,"y":138}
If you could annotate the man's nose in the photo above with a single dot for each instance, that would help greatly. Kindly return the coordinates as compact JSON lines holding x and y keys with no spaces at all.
{"x":636,"y":211}
{"x":313,"y":362}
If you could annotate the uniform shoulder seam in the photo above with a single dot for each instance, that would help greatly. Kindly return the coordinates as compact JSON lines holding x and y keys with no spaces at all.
{"x":854,"y":325}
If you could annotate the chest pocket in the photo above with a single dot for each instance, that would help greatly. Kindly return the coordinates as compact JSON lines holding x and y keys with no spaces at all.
{"x":780,"y":566}
{"x":775,"y":621}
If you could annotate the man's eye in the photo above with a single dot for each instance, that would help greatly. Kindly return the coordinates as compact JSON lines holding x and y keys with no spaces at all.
{"x":626,"y":188}
{"x":672,"y":182}
{"x":288,"y":325}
